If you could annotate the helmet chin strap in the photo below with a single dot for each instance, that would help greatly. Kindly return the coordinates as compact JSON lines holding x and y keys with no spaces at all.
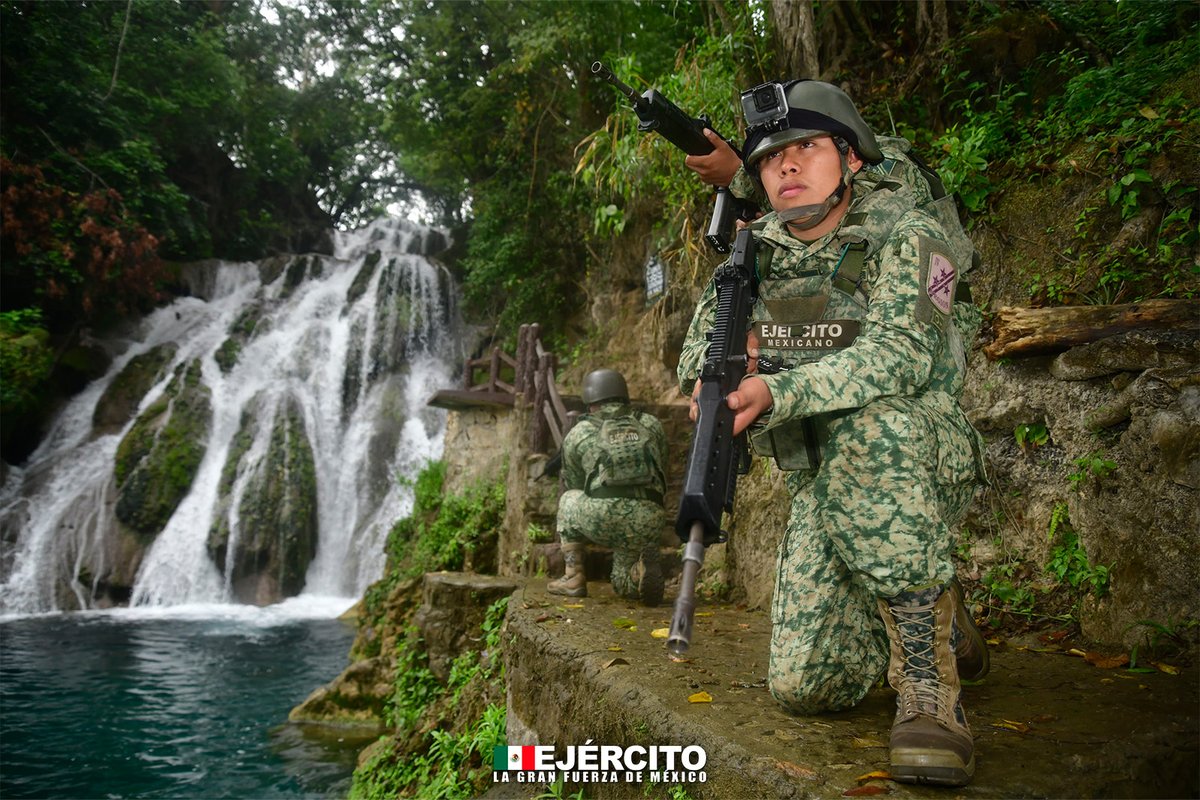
{"x":803,"y":218}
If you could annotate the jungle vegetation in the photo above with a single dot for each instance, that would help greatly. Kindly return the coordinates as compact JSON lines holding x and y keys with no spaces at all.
{"x":137,"y":135}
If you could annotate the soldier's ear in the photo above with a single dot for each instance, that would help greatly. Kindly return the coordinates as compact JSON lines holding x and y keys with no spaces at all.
{"x":854,"y":160}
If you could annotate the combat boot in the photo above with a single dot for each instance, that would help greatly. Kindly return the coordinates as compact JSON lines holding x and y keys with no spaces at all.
{"x":930,"y":741}
{"x":650,"y":586}
{"x":970,"y":649}
{"x":573,"y":583}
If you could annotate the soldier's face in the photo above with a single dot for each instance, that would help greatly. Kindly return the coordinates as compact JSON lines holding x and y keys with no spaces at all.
{"x":805,"y":173}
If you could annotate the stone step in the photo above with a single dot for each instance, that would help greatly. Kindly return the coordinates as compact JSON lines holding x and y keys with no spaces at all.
{"x":1046,"y":724}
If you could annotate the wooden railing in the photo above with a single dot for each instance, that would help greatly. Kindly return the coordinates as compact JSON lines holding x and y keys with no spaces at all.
{"x":533,"y":378}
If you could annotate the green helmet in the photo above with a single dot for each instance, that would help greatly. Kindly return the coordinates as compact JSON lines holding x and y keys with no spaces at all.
{"x":604,"y":384}
{"x":779,"y":114}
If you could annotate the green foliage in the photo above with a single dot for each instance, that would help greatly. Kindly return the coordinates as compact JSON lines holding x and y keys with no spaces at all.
{"x":1093,"y":465}
{"x":25,"y":359}
{"x":1068,"y":561}
{"x":441,"y":530}
{"x":1031,"y":435}
{"x":449,"y":765}
{"x":1163,"y":639}
{"x":1003,"y":586}
{"x":558,"y":791}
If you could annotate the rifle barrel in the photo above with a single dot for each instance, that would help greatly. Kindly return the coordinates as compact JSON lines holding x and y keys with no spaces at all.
{"x":680,"y":636}
{"x":607,"y":74}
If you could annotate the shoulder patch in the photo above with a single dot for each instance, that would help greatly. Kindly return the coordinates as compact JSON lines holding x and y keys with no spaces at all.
{"x":939,"y":278}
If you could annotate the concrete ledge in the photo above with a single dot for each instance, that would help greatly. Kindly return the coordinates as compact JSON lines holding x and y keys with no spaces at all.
{"x":1045,"y":724}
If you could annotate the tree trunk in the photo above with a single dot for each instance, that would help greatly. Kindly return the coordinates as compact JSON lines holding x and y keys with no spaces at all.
{"x":795,"y":37}
{"x":1038,"y":331}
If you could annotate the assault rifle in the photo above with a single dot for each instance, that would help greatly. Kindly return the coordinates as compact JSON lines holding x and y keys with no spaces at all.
{"x":658,"y":114}
{"x":716,"y":456}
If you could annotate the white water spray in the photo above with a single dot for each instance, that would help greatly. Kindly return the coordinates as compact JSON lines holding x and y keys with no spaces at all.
{"x":359,"y":362}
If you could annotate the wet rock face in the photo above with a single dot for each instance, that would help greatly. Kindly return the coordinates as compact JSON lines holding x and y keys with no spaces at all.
{"x":157,"y":460}
{"x":276,"y":496}
{"x":120,"y":400}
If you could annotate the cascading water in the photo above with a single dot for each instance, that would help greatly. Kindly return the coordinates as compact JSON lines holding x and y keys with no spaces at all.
{"x":310,"y":375}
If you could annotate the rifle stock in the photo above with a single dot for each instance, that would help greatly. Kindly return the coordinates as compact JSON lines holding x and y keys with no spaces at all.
{"x":716,"y":455}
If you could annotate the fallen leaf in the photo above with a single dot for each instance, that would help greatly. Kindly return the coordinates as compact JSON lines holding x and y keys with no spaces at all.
{"x":614,"y":662}
{"x":1167,"y":668}
{"x":678,"y":659}
{"x":1074,"y":651}
{"x":700,"y":697}
{"x":797,"y":771}
{"x":863,"y":743}
{"x":660,"y":633}
{"x":616,"y":648}
{"x":573,"y":605}
{"x":864,"y":791}
{"x":1008,"y":724}
{"x":1148,"y":112}
{"x":1106,"y":662}
{"x":1053,"y":637}
{"x":542,"y":617}
{"x":625,"y":622}
{"x":877,"y":775}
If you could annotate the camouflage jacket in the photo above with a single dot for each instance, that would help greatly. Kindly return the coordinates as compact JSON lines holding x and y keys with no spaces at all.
{"x":901,"y":305}
{"x":584,"y":453}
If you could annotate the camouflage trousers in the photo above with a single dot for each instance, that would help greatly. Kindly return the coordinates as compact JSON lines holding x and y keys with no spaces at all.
{"x":876,"y":518}
{"x":627,"y":526}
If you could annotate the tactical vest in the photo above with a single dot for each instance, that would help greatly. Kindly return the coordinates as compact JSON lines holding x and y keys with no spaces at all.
{"x":626,"y":460}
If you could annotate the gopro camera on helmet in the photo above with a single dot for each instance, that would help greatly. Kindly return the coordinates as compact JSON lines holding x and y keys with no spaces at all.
{"x":765,"y":104}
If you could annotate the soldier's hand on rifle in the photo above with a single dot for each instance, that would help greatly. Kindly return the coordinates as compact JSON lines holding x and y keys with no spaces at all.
{"x":718,"y":167}
{"x":751,"y":400}
{"x":751,"y":368}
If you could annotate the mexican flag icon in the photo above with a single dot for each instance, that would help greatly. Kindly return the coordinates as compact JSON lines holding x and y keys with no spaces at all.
{"x":513,"y":757}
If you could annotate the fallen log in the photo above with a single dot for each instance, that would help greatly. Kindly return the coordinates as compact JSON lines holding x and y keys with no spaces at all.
{"x":1038,"y":331}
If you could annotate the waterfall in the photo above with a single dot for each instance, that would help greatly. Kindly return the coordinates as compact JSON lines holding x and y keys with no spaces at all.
{"x":300,"y":384}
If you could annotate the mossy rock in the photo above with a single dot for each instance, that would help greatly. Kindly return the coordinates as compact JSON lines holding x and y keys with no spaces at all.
{"x":277,"y":511}
{"x":120,"y":400}
{"x":157,"y":460}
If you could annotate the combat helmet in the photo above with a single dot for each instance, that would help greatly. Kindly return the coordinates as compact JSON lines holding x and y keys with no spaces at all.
{"x":778,"y":114}
{"x":604,"y":384}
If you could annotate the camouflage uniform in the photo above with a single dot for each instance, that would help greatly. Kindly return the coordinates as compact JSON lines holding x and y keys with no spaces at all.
{"x":587,"y":512}
{"x":880,"y":460}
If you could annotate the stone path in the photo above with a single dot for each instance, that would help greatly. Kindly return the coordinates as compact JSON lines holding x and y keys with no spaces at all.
{"x":1046,"y":724}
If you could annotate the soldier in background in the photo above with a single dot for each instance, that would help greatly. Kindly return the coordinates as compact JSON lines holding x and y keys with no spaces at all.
{"x":614,"y":468}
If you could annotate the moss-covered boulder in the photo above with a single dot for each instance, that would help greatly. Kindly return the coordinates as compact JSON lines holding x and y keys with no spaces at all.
{"x":276,"y":496}
{"x":158,"y":458}
{"x":120,"y":400}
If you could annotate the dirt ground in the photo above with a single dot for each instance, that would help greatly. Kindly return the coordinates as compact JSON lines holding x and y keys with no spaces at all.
{"x":1046,"y":723}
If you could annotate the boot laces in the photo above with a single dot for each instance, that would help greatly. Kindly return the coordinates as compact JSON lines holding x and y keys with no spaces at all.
{"x":924,"y":692}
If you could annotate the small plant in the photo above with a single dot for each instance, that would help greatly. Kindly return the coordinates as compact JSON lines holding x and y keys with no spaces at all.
{"x":1163,"y":639}
{"x":1031,"y":435}
{"x":1126,"y":192}
{"x":1069,"y":561}
{"x":1094,"y":465}
{"x":556,"y":791}
{"x":538,"y":534}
